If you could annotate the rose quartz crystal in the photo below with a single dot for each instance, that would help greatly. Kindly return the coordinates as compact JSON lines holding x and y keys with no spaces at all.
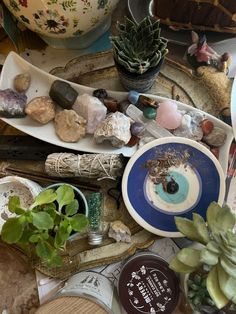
{"x":92,"y":109}
{"x":168,"y":115}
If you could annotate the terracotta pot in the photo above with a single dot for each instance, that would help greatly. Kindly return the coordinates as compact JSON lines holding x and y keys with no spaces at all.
{"x":139,"y":82}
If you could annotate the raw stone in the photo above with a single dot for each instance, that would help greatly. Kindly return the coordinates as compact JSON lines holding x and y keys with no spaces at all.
{"x":12,"y":103}
{"x":63,"y":94}
{"x":22,"y":82}
{"x":119,"y":231}
{"x":41,"y":109}
{"x":115,"y":129}
{"x":91,"y":109}
{"x":69,"y":126}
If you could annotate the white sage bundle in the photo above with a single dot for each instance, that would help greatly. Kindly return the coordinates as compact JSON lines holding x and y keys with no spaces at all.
{"x":97,"y":166}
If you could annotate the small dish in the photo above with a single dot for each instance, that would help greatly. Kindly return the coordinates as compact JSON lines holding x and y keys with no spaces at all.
{"x":26,"y":189}
{"x":192,"y":170}
{"x":40,"y":85}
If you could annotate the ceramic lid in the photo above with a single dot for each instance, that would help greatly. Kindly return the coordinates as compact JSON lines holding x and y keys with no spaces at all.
{"x":147,"y":285}
{"x":170,"y":177}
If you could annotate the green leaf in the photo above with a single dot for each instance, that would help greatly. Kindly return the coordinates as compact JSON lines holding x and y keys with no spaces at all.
{"x":26,"y":235}
{"x":220,"y":218}
{"x":187,"y":228}
{"x":227,"y":284}
{"x":201,"y":227}
{"x":42,"y":220}
{"x":213,"y":247}
{"x":180,"y":267}
{"x":65,"y":195}
{"x":44,"y":250}
{"x":79,"y":222}
{"x":214,"y":290}
{"x":72,"y":208}
{"x":62,"y":236}
{"x":14,"y":205}
{"x":12,"y":230}
{"x":34,"y":238}
{"x":55,"y":260}
{"x":228,"y":266}
{"x":189,"y":257}
{"x":51,"y":210}
{"x":208,"y":257}
{"x":212,"y":213}
{"x":44,"y":197}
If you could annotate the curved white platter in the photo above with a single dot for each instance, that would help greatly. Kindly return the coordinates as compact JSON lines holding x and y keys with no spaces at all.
{"x":40,"y":86}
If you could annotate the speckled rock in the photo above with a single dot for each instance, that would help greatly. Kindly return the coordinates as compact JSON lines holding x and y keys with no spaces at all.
{"x":119,"y":231}
{"x":115,"y":129}
{"x":22,"y":82}
{"x":69,"y":126}
{"x":41,"y":109}
{"x":216,"y":138}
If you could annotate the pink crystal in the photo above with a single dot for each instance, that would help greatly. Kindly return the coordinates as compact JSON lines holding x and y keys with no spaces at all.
{"x":91,"y":109}
{"x":168,"y":115}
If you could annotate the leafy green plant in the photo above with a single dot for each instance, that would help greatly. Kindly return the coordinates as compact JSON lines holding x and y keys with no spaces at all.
{"x":47,"y":224}
{"x":139,"y":47}
{"x":217,"y":255}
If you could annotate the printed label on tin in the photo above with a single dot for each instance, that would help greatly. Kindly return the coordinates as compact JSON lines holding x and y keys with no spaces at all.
{"x":91,"y":284}
{"x":146,"y":286}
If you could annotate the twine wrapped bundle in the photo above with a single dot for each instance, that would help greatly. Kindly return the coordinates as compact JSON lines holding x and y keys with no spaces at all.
{"x":97,"y":166}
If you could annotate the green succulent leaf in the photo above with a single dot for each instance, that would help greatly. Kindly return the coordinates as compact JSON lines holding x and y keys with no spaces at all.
{"x":220,"y":219}
{"x":51,"y":210}
{"x":72,"y":208}
{"x":213,"y":247}
{"x":214,"y":290}
{"x":65,"y":195}
{"x":62,"y":235}
{"x":227,"y":284}
{"x":200,"y":225}
{"x":180,"y":267}
{"x":25,"y":235}
{"x":42,"y":220}
{"x":228,"y":266}
{"x":55,"y":260}
{"x":208,"y":257}
{"x":231,"y":239}
{"x":187,"y":228}
{"x":44,"y":197}
{"x":12,"y":230}
{"x":79,"y":222}
{"x":189,"y":257}
{"x":138,"y":47}
{"x":14,"y":205}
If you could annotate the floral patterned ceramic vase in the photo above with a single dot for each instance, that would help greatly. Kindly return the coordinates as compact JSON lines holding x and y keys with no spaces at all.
{"x":64,"y":23}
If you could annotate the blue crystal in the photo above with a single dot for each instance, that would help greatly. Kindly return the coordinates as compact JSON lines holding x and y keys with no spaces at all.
{"x":133,"y":97}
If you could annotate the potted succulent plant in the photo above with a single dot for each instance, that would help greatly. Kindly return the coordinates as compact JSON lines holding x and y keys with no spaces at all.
{"x":138,"y":51}
{"x":211,"y":267}
{"x":44,"y":228}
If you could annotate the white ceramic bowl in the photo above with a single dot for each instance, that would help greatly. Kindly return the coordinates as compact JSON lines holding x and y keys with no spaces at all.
{"x":26,"y":189}
{"x":62,"y":18}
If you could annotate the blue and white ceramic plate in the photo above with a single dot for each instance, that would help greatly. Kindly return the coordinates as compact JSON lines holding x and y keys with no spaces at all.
{"x":198,"y":180}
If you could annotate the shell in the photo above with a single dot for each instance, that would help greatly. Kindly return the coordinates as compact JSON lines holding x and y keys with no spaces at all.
{"x":115,"y":128}
{"x":119,"y":231}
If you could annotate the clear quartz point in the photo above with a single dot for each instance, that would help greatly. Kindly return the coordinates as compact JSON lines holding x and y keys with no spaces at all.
{"x":150,"y":125}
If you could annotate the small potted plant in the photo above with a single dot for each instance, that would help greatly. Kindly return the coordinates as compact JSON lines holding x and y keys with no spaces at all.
{"x":210,"y":283}
{"x":44,"y":228}
{"x":138,"y":51}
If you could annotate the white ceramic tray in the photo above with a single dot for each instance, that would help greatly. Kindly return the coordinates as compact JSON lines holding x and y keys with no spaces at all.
{"x":40,"y":85}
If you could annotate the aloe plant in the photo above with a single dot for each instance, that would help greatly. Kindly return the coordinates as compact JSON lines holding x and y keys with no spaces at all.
{"x":139,"y":47}
{"x":46,"y":225}
{"x":217,"y":255}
